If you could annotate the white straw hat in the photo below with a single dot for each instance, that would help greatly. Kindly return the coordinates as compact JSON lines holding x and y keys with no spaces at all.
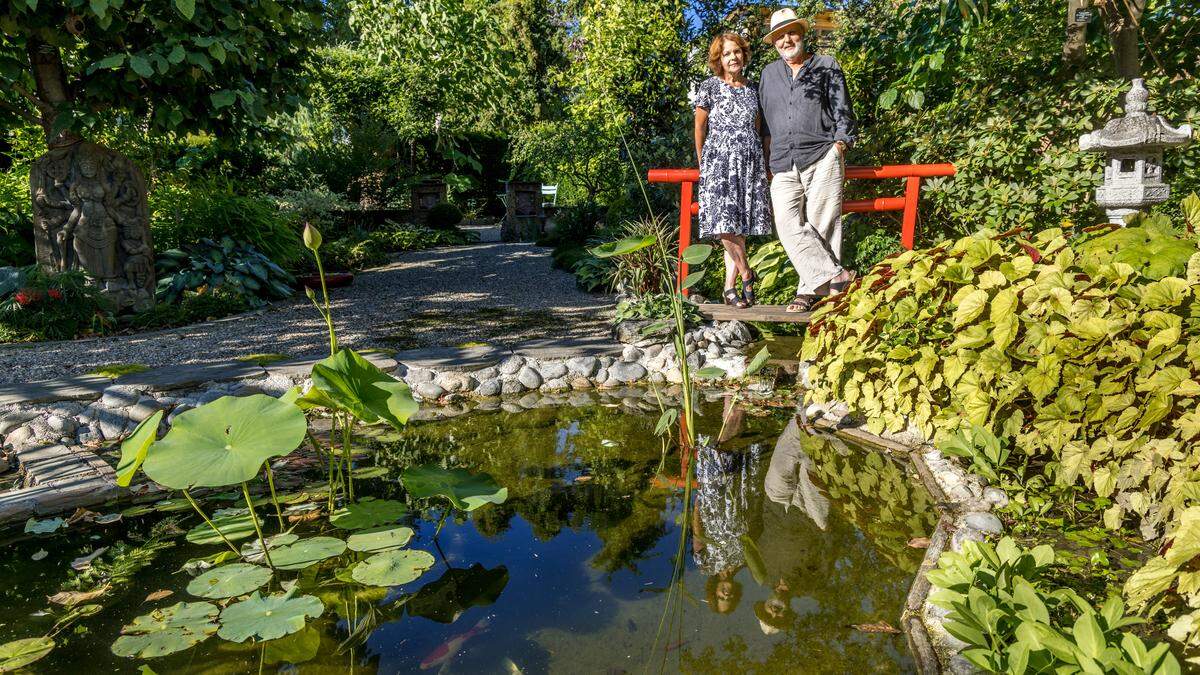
{"x":783,"y":20}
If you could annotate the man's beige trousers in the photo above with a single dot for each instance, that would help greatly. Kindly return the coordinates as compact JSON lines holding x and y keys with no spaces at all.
{"x":808,"y":220}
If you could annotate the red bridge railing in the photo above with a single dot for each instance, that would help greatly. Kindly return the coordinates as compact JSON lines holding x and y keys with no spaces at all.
{"x":911,"y":173}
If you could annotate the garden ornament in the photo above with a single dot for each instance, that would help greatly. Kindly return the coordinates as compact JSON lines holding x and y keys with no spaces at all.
{"x":1134,"y":145}
{"x":783,"y":20}
{"x":90,"y":213}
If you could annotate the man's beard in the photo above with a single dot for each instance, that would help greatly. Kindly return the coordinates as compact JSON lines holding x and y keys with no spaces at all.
{"x":792,"y":53}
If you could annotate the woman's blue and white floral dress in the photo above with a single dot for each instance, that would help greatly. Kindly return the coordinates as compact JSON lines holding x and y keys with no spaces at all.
{"x":733,"y":177}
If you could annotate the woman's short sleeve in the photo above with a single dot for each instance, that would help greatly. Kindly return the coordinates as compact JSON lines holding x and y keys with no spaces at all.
{"x":704,"y":97}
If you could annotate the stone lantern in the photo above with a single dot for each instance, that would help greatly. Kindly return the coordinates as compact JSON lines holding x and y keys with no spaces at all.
{"x":1134,"y":146}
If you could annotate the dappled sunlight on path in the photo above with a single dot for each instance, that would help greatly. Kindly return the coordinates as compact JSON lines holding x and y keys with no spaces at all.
{"x":495,"y":293}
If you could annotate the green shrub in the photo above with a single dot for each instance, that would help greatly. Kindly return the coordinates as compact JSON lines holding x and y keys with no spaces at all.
{"x":236,"y":268}
{"x":184,"y":214}
{"x":1081,"y":352}
{"x":574,"y":225}
{"x":637,"y":273}
{"x":36,"y":305}
{"x":321,"y":207}
{"x":1013,"y":622}
{"x":16,"y":220}
{"x":443,"y":215}
{"x":360,"y":249}
{"x":192,"y":308}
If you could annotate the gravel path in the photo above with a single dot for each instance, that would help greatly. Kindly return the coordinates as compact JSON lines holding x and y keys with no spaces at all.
{"x":493,"y":292}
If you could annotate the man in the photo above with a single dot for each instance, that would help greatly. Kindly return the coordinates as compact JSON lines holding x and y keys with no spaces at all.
{"x":807,"y":127}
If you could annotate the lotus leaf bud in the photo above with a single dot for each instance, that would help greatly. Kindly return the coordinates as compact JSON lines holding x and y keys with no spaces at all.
{"x":312,"y":238}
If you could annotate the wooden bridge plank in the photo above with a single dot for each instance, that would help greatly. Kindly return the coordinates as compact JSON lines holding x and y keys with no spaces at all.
{"x":764,"y":313}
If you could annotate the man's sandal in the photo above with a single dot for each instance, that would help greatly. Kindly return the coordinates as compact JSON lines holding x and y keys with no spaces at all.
{"x":840,"y":286}
{"x":801,"y":303}
{"x":733,"y":299}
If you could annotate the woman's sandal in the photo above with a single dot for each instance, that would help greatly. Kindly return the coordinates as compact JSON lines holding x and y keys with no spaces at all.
{"x":801,"y":303}
{"x":747,"y":290}
{"x":733,"y":299}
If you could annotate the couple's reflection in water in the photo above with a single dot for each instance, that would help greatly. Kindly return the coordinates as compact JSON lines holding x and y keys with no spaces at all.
{"x":763,"y":508}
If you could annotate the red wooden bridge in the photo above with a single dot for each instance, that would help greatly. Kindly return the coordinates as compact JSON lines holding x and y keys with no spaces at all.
{"x":910,"y":173}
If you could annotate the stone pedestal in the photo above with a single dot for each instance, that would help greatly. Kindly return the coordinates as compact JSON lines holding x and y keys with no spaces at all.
{"x":524,"y":217}
{"x":426,"y":195}
{"x":90,"y":213}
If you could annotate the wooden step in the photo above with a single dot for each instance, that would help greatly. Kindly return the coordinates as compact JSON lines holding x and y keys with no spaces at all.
{"x":764,"y":313}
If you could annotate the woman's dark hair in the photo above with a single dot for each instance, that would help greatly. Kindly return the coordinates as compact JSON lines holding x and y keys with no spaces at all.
{"x":710,"y":594}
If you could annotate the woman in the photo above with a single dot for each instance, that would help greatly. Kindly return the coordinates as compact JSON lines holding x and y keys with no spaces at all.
{"x":733,"y":180}
{"x":728,"y":488}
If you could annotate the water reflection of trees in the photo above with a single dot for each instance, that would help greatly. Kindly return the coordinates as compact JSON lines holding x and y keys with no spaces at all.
{"x":540,"y":454}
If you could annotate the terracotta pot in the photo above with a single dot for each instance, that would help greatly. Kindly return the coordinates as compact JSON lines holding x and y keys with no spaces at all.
{"x":332,"y":280}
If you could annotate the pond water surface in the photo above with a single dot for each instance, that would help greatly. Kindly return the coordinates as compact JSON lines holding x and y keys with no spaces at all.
{"x":788,"y":542}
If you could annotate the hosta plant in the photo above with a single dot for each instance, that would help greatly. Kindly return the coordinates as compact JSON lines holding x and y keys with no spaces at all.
{"x":235,"y":267}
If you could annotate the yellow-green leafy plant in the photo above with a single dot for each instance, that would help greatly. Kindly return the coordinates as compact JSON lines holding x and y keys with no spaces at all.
{"x":1083,"y":353}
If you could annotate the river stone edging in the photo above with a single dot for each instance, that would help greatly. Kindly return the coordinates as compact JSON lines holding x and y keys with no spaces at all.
{"x":50,"y":431}
{"x":964,"y":503}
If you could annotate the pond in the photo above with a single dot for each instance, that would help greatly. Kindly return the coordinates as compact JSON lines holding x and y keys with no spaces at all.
{"x":795,"y":547}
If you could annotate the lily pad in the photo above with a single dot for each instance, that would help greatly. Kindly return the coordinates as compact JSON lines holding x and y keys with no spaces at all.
{"x":368,"y":513}
{"x":20,"y":653}
{"x":358,"y":386}
{"x":253,"y":551}
{"x":267,"y":618}
{"x":229,"y":581}
{"x":225,"y":442}
{"x":134,"y":448}
{"x":379,"y":539}
{"x":392,"y":568}
{"x":467,"y":491}
{"x":306,"y":552}
{"x":167,"y":630}
{"x":295,"y":648}
{"x":234,"y":527}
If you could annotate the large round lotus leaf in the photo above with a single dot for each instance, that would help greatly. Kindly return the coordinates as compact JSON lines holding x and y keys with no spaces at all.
{"x":228,"y":581}
{"x":267,"y":618}
{"x":167,"y":630}
{"x":20,"y":653}
{"x":295,"y":648}
{"x":392,"y":568}
{"x":358,"y":386}
{"x":234,"y":527}
{"x":252,"y":551}
{"x":368,"y":513}
{"x":134,"y":448}
{"x":306,"y":552}
{"x":379,"y":539}
{"x":467,"y":491}
{"x":225,"y":442}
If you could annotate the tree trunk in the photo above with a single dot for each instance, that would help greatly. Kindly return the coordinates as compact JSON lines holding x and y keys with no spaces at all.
{"x":1122,"y":18}
{"x":50,"y":80}
{"x":1075,"y":46}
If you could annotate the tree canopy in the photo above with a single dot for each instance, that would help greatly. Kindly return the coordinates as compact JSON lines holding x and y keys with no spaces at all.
{"x":181,"y":66}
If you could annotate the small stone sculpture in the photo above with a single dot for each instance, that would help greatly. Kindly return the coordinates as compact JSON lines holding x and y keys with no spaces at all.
{"x":90,"y":213}
{"x":1134,"y":145}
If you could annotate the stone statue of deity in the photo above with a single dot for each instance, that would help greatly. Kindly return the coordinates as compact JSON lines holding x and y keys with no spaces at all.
{"x":90,"y":214}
